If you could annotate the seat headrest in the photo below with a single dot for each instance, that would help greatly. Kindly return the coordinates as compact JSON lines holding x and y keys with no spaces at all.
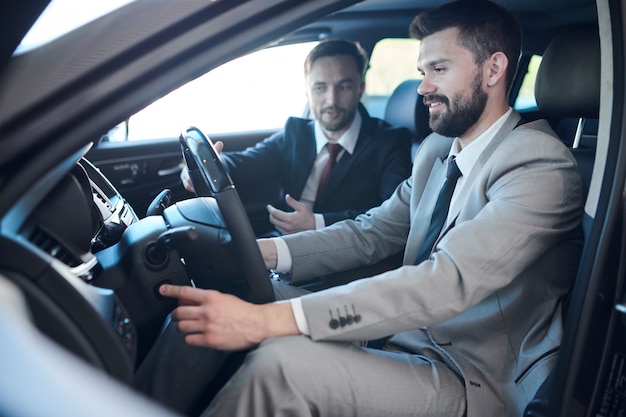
{"x":568,"y":79}
{"x":405,"y":109}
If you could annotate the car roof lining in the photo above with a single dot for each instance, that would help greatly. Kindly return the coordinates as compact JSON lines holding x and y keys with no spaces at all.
{"x":16,"y":18}
{"x":107,"y":101}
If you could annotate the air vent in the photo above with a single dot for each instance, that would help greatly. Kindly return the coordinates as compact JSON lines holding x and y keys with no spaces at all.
{"x":51,"y":246}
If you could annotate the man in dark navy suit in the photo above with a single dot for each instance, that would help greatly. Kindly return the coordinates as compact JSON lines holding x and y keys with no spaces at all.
{"x":283,"y":172}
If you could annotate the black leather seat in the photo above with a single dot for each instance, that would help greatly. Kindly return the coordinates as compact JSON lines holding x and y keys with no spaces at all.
{"x":568,"y":86}
{"x":405,"y":109}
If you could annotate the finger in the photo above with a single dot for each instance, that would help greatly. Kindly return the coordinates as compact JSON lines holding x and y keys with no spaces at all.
{"x":277,"y":222}
{"x":189,"y":326}
{"x":277,"y":214}
{"x":293,"y":203}
{"x":195,"y":340}
{"x":184,"y":293}
{"x":215,"y":341}
{"x":184,"y":176}
{"x":186,"y":180}
{"x":219,"y":146}
{"x":200,"y":339}
{"x":188,"y":312}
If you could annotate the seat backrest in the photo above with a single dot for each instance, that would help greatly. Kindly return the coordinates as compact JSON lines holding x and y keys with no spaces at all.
{"x":568,"y":79}
{"x":568,"y":86}
{"x":406,"y":109}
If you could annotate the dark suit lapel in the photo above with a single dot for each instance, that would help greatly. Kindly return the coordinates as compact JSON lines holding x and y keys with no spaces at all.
{"x":305,"y":152}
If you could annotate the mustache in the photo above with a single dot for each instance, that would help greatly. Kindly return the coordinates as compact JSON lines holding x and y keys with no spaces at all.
{"x":429,"y":98}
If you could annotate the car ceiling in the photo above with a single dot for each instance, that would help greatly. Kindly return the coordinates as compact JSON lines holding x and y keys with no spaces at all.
{"x":16,"y":17}
{"x":514,"y":5}
{"x":540,"y":19}
{"x":394,"y":22}
{"x":391,"y":17}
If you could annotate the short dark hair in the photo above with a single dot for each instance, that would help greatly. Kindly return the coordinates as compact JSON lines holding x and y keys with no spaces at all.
{"x":332,"y":47}
{"x":484,"y":29}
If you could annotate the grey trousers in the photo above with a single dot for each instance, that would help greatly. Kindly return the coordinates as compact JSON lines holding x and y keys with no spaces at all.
{"x":185,"y":378}
{"x":294,"y":376}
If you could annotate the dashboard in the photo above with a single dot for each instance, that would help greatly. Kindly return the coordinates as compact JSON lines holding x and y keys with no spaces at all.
{"x":90,"y":268}
{"x":76,"y":249}
{"x":50,"y":239}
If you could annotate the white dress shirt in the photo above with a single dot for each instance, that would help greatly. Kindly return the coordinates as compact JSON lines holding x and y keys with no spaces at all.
{"x":348,"y":143}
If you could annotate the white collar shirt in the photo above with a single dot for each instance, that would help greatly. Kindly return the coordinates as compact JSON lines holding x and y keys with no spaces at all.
{"x":348,"y":143}
{"x":466,"y":158}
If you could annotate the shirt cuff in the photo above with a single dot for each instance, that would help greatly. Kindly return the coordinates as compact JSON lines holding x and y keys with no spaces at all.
{"x":283,"y":256}
{"x":319,"y":221}
{"x":298,"y":314}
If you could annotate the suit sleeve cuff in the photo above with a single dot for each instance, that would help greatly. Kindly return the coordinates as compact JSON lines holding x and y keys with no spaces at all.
{"x":283,"y":260}
{"x":319,"y":221}
{"x":298,"y":313}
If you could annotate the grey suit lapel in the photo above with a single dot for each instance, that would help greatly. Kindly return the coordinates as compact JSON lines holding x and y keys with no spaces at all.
{"x":429,"y":198}
{"x":424,"y":196}
{"x":426,"y":205}
{"x":507,"y":127}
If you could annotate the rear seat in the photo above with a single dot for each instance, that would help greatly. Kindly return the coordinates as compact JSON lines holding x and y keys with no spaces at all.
{"x":405,"y":109}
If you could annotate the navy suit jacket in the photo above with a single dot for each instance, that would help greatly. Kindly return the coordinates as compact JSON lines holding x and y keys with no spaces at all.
{"x":281,"y":165}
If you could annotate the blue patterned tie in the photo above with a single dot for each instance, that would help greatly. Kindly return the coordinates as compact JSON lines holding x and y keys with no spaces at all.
{"x":441,"y":211}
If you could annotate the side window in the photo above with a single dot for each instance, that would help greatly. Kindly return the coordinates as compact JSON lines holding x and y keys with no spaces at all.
{"x":526,"y":97}
{"x":392,"y":61}
{"x":257,"y":91}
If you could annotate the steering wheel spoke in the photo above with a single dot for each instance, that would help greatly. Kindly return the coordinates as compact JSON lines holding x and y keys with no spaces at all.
{"x":210,"y":179}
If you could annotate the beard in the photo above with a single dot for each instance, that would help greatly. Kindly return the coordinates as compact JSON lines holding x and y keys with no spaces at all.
{"x":342,"y":122}
{"x":462,"y":113}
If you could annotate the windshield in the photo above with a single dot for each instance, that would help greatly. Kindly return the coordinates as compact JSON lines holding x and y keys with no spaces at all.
{"x":63,"y":16}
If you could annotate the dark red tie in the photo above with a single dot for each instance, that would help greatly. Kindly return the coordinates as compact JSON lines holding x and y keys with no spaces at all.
{"x":333,"y":150}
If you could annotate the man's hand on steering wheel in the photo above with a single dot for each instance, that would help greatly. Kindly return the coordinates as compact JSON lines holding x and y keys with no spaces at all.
{"x":213,"y":185}
{"x":184,"y":173}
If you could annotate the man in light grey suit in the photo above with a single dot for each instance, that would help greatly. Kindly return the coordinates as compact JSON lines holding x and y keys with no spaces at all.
{"x":471,"y":331}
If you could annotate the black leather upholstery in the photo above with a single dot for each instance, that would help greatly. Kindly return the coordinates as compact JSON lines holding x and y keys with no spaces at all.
{"x":405,"y":109}
{"x":568,"y":86}
{"x":568,"y":80}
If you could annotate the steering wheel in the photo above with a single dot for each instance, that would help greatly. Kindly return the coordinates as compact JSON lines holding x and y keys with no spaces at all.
{"x":210,"y":179}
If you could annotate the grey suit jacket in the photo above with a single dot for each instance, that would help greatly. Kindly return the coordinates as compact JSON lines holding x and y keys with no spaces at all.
{"x":489,"y":298}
